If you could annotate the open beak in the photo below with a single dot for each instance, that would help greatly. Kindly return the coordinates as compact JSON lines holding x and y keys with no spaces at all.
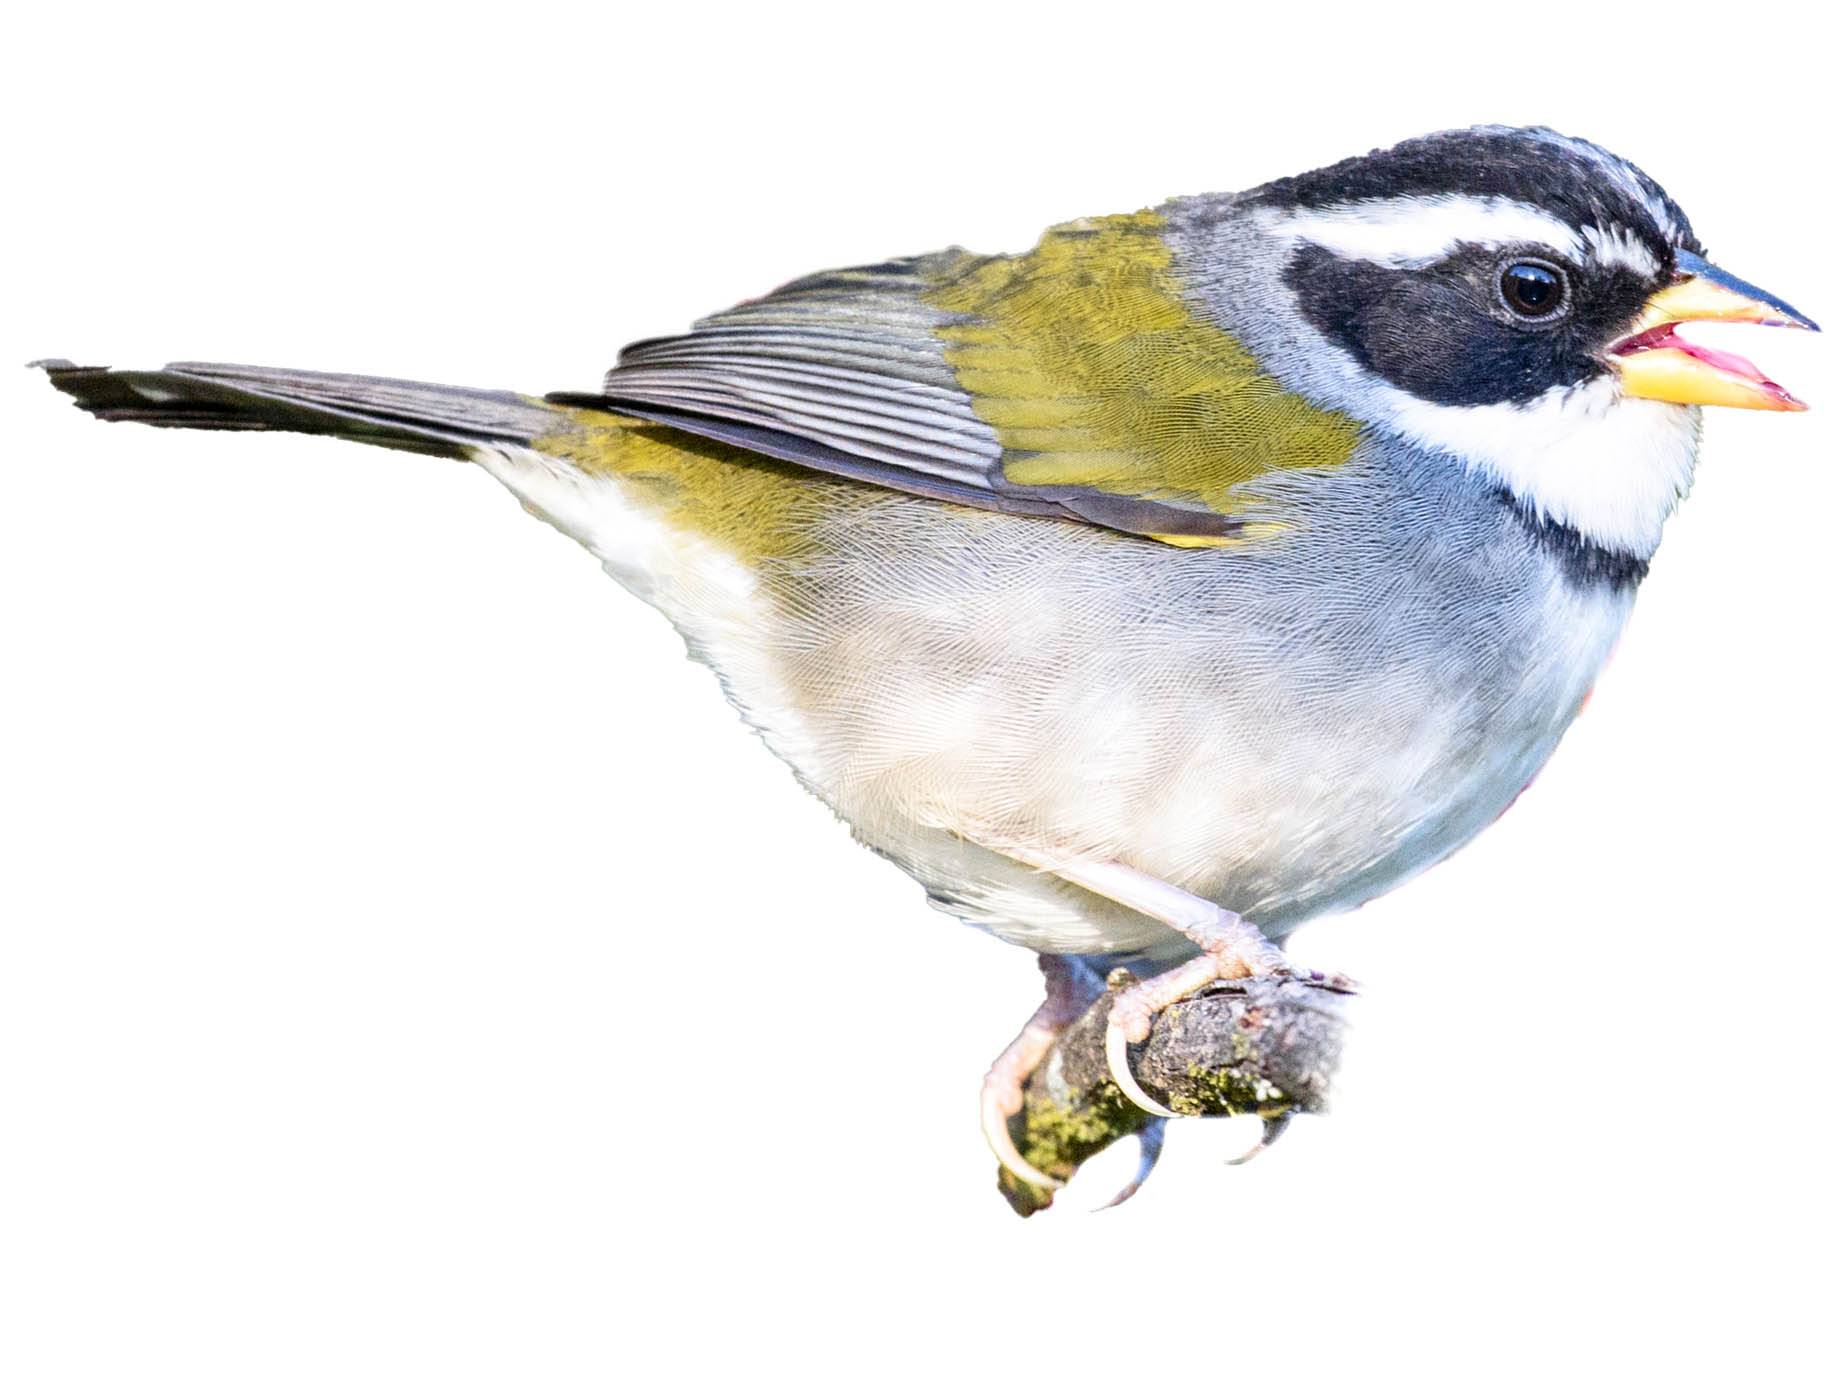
{"x":1656,"y":363}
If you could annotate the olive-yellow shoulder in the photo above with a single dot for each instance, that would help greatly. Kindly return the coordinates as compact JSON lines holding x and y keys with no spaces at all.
{"x":1073,"y":381}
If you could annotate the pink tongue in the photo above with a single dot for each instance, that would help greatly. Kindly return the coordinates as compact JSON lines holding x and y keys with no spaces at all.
{"x":1665,"y":338}
{"x":1720,"y":359}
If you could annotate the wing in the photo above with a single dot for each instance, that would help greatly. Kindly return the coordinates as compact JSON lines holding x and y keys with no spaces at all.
{"x":1072,"y":381}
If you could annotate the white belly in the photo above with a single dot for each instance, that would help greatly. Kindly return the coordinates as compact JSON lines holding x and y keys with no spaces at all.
{"x":956,"y":687}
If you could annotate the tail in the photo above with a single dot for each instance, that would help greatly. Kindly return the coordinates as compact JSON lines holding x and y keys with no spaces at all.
{"x":431,"y":418}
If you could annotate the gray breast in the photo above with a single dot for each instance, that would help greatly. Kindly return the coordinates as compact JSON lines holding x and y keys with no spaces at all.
{"x":1287,"y":727}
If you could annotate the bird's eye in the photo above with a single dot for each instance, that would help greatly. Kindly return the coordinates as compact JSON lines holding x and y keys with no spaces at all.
{"x":1534,"y":290}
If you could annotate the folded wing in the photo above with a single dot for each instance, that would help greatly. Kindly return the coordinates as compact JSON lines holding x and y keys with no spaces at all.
{"x":1073,"y":381}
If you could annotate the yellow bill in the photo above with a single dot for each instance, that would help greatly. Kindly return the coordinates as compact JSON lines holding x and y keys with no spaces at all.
{"x":1654,"y":362}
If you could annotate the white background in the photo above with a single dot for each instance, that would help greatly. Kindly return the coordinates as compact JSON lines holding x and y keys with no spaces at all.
{"x":409,"y":965}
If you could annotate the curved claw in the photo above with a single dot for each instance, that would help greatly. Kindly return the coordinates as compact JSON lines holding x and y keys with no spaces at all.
{"x":1274,"y":1128}
{"x":1121,"y":1069}
{"x":1150,"y":1147}
{"x":995,"y":1123}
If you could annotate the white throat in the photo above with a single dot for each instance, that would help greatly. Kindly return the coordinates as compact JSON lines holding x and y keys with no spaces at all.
{"x":1610,"y":467}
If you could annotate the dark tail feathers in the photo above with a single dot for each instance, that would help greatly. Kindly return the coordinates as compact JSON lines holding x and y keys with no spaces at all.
{"x":433,"y":418}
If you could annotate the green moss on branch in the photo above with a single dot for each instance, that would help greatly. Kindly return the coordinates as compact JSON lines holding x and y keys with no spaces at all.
{"x":1264,"y":1045}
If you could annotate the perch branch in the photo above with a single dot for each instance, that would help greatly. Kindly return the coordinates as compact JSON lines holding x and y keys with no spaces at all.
{"x":1264,"y":1045}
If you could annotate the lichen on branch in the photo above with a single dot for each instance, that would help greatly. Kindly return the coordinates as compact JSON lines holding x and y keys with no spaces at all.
{"x":1268,"y":1046}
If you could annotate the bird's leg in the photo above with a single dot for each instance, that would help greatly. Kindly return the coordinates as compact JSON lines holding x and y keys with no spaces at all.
{"x":1069,"y":987}
{"x":1231,"y":948}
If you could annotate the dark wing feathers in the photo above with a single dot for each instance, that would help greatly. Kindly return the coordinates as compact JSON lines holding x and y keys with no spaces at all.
{"x":845,"y":361}
{"x":781,"y":444}
{"x":941,"y":436}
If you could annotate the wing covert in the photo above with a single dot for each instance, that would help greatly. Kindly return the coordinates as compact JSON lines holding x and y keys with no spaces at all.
{"x":1072,"y":381}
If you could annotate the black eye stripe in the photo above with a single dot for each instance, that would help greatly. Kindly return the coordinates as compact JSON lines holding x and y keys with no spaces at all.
{"x":1445,"y":334}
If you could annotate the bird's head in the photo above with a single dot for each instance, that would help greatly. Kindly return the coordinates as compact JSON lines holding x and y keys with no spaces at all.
{"x":1508,"y":296}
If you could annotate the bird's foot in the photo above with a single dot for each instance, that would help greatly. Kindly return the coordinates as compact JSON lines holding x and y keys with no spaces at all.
{"x":1271,"y":1129}
{"x":1231,"y":949}
{"x":1001,"y":1098}
{"x":1070,"y":987}
{"x":1150,"y":1147}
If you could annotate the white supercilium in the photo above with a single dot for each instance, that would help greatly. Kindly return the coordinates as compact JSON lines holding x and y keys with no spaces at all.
{"x":1412,"y":232}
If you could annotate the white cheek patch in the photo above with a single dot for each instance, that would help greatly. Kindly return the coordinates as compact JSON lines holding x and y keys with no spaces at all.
{"x":1611,"y":468}
{"x":1412,"y":232}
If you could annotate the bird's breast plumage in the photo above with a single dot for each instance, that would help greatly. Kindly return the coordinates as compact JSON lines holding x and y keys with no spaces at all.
{"x":1286,"y":727}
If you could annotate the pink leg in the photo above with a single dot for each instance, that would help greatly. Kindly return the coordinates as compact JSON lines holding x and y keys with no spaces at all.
{"x":1231,"y":948}
{"x":1069,"y":989}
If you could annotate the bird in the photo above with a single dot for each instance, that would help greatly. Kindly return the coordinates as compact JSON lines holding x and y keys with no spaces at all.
{"x":1142,"y":595}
